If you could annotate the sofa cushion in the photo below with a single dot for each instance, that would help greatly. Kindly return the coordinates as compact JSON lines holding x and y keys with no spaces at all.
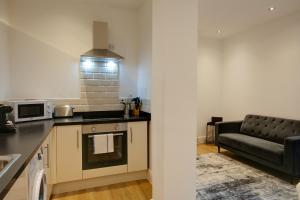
{"x":261,"y":148}
{"x":270,"y":128}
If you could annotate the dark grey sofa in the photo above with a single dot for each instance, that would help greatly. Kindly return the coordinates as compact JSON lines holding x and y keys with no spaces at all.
{"x":270,"y":141}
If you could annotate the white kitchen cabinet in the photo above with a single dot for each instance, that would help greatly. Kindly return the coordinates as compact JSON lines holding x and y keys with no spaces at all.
{"x":137,"y":146}
{"x":19,"y":191}
{"x":49,"y":155}
{"x":51,"y":173}
{"x":69,"y":153}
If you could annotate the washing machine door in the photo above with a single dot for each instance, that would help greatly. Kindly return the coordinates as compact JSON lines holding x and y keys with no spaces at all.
{"x":39,"y":187}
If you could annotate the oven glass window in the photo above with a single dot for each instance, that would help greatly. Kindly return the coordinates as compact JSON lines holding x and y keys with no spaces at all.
{"x":30,"y":110}
{"x":117,"y":157}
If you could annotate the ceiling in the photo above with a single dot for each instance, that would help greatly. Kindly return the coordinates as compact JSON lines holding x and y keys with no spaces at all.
{"x":229,"y":16}
{"x":233,"y":16}
{"x":118,"y":3}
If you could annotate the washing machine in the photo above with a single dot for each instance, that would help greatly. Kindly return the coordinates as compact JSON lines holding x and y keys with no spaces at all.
{"x":37,"y":178}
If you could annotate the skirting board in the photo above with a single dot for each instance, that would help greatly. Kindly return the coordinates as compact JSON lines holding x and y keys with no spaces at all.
{"x":200,"y":139}
{"x":149,"y":176}
{"x":49,"y":191}
{"x":98,"y":182}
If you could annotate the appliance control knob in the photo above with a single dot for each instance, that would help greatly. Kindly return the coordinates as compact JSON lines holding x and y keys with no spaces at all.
{"x":93,"y":129}
{"x":39,"y":156}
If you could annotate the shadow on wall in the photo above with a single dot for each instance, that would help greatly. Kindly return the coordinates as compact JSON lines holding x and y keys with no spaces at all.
{"x":4,"y":62}
{"x":39,"y":70}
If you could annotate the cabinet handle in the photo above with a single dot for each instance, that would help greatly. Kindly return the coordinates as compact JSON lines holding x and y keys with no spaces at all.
{"x":131,"y":135}
{"x":77,"y":139}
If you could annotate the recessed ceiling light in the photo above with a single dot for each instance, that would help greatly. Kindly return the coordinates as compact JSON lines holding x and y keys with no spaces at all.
{"x":271,"y":8}
{"x":219,"y":31}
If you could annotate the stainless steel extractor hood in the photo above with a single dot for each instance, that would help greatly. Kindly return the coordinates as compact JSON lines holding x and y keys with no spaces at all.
{"x":100,"y":49}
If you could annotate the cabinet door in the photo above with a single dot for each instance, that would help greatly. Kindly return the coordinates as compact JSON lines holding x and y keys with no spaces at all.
{"x":19,"y":191}
{"x":69,"y":156}
{"x":52,"y":157}
{"x":47,"y":157}
{"x":137,"y":146}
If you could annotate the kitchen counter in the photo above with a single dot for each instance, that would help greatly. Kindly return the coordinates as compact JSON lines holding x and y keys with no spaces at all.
{"x":29,"y":137}
{"x":26,"y":141}
{"x":80,"y":120}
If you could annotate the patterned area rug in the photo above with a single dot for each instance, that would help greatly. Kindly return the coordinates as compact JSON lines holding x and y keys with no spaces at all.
{"x":220,"y":177}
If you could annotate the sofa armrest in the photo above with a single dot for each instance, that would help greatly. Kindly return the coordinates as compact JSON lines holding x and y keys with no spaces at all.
{"x":292,"y":153}
{"x":227,"y":127}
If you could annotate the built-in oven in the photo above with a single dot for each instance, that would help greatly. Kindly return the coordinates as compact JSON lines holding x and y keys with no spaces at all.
{"x":104,"y":145}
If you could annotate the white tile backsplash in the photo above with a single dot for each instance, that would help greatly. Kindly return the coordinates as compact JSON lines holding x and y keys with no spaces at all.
{"x":99,"y":89}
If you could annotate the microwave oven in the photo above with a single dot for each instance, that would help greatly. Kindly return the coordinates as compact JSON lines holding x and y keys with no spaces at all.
{"x":31,"y":110}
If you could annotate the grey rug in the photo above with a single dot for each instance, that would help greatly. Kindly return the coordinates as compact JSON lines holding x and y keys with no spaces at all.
{"x":220,"y":177}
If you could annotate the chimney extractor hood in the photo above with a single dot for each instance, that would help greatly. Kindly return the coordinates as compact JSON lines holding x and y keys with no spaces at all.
{"x":100,"y":49}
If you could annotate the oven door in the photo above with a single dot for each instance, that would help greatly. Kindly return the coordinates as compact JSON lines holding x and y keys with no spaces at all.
{"x":117,"y":157}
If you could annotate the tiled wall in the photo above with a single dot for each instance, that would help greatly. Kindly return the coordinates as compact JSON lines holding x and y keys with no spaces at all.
{"x":99,"y":91}
{"x":146,"y":107}
{"x":100,"y":86}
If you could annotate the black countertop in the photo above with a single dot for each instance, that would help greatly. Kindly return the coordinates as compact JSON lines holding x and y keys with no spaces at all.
{"x":29,"y":137}
{"x":26,"y":141}
{"x":80,"y":120}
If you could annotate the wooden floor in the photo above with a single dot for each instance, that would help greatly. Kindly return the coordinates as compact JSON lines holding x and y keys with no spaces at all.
{"x":136,"y":190}
{"x":206,"y":148}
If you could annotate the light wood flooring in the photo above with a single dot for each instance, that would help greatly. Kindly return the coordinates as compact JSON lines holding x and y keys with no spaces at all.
{"x":206,"y":148}
{"x":136,"y":190}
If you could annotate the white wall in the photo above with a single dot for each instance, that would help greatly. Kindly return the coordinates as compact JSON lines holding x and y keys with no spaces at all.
{"x":261,"y":71}
{"x":4,"y":49}
{"x":4,"y":14}
{"x":174,"y":99}
{"x":145,"y":50}
{"x":145,"y":54}
{"x":256,"y":71}
{"x":49,"y":36}
{"x":4,"y":62}
{"x":38,"y":70}
{"x":210,"y":69}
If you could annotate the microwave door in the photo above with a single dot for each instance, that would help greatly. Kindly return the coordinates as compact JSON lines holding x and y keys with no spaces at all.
{"x":30,"y":110}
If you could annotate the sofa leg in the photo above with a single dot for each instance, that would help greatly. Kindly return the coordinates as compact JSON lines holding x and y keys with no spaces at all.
{"x":219,"y":149}
{"x":293,"y":181}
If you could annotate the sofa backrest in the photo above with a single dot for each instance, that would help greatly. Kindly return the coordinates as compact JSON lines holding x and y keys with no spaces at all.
{"x":270,"y":128}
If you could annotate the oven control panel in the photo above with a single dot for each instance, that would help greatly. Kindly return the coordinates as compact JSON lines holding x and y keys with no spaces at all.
{"x":98,"y":128}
